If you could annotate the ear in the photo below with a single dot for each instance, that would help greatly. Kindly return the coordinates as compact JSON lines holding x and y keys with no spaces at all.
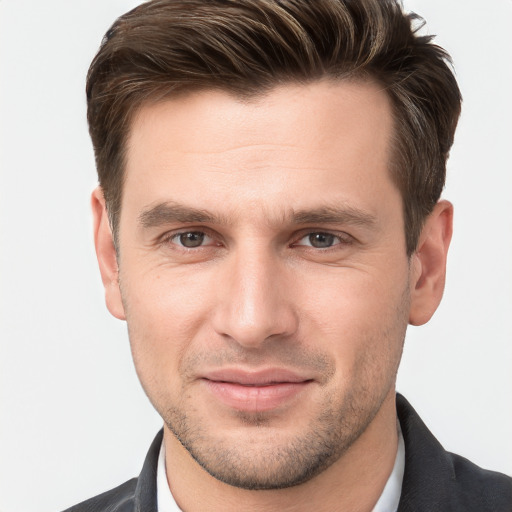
{"x":106,"y":254}
{"x":428,"y":265}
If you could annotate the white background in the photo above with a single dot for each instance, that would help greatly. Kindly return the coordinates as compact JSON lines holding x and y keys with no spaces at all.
{"x":73,"y":418}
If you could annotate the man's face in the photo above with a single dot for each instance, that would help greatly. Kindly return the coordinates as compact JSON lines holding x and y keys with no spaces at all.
{"x":263,"y":274}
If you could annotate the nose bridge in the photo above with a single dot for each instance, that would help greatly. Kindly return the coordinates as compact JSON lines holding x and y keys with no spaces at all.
{"x":255,"y":303}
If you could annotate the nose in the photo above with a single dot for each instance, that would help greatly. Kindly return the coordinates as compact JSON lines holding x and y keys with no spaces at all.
{"x":255,"y":299}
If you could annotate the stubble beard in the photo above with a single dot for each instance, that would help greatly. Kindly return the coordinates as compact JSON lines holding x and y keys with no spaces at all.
{"x":280,"y":462}
{"x":276,"y":463}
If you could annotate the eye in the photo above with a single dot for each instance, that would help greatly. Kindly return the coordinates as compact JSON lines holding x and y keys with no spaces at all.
{"x":191,"y":239}
{"x":321,"y":240}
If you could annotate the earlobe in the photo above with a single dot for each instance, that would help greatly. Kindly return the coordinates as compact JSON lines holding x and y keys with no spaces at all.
{"x":428,"y":264}
{"x":106,"y":254}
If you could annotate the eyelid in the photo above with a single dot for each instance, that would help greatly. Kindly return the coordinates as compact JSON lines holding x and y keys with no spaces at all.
{"x":342,"y":237}
{"x":170,"y":236}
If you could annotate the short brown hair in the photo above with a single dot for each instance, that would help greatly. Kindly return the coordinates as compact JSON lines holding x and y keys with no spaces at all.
{"x":247,"y":47}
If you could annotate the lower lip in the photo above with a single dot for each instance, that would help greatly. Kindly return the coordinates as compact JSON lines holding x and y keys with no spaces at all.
{"x":255,"y":398}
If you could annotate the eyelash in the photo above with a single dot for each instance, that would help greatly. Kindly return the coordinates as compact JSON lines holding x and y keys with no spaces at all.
{"x":169,"y":238}
{"x":341,"y":238}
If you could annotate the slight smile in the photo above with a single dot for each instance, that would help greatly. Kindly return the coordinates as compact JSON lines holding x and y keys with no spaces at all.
{"x":255,"y":391}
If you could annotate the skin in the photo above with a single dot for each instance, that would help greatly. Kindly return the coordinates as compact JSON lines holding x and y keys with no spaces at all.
{"x":300,"y":266}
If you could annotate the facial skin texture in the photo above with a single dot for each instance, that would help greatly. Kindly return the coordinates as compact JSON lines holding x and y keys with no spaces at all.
{"x":317,"y":332}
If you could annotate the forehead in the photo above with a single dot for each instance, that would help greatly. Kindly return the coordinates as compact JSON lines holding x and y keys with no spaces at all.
{"x":273,"y":152}
{"x":312,"y":113}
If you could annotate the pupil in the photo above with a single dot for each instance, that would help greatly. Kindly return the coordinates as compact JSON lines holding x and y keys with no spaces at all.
{"x":321,"y":240}
{"x":192,"y":239}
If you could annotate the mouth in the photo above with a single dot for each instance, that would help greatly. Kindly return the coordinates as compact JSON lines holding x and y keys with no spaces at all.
{"x":255,"y":391}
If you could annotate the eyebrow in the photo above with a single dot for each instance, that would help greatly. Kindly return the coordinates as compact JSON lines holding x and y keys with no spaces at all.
{"x":335,"y":215}
{"x":171,"y":212}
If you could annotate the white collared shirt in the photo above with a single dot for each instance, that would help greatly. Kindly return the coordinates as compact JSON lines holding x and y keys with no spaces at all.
{"x":388,"y":501}
{"x":165,"y":499}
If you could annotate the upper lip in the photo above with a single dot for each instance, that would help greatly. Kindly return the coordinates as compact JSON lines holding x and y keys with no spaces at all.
{"x":262,"y":377}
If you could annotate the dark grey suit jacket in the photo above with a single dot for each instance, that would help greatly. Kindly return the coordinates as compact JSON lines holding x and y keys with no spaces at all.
{"x":434,"y":480}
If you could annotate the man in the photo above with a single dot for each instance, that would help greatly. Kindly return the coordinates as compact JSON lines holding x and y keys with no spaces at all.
{"x":268,"y":222}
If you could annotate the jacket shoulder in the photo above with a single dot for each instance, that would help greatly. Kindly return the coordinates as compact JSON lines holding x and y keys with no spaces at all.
{"x":440,"y":481}
{"x":480,"y":489}
{"x":135,"y":495}
{"x":119,"y":499}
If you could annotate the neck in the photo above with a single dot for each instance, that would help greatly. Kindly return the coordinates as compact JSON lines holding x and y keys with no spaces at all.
{"x":353,"y":483}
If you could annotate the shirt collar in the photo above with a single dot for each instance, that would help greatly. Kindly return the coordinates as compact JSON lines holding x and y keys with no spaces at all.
{"x":390,"y":497}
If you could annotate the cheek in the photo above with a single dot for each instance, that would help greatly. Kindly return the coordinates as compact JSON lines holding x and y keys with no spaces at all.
{"x":358,"y":317}
{"x":166,"y":300}
{"x":165,"y":314}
